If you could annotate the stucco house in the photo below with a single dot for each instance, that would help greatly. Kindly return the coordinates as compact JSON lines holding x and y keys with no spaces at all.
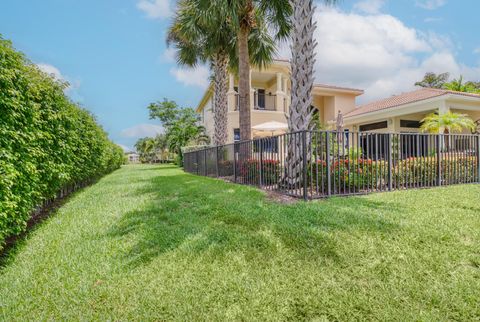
{"x":270,"y":99}
{"x":403,"y":113}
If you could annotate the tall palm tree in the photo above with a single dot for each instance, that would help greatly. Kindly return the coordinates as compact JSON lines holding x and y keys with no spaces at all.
{"x":202,"y":31}
{"x":447,"y":123}
{"x":200,"y":38}
{"x":248,"y":18}
{"x":302,"y":63}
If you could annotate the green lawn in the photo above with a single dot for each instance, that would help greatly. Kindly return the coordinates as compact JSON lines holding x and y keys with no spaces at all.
{"x":154,"y":243}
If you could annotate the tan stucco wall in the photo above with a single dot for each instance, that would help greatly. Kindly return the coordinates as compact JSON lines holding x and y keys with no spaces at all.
{"x":207,"y":119}
{"x":258,"y":117}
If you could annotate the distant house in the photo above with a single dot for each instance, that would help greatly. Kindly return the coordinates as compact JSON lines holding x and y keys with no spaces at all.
{"x":271,"y":94}
{"x":133,"y":157}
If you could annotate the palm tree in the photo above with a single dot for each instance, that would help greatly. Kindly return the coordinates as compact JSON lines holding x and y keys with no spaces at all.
{"x":248,"y":18}
{"x":145,"y":147}
{"x":447,"y":123}
{"x":302,"y":64}
{"x":200,"y":38}
{"x":202,"y":32}
{"x":459,"y":86}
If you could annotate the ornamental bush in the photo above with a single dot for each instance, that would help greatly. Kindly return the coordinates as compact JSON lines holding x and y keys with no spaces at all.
{"x":48,"y":144}
{"x":347,"y":174}
{"x":271,"y":170}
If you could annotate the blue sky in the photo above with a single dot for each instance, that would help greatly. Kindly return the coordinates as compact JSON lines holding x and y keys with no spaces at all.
{"x":114,"y":55}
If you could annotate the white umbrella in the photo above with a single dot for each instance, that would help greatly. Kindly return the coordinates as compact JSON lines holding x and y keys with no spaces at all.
{"x":272,"y":126}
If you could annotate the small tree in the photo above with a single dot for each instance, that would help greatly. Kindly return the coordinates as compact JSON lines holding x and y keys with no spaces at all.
{"x":432,"y":80}
{"x":181,"y":125}
{"x":447,"y":123}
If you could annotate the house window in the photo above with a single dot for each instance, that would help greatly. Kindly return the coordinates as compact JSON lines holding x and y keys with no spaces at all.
{"x":410,"y":124}
{"x":374,"y":146}
{"x":236,"y":135}
{"x":374,"y":126}
{"x":261,"y":99}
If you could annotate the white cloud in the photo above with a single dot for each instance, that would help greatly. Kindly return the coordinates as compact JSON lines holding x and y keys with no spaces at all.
{"x":378,"y":53}
{"x":476,"y":50}
{"x":198,"y":77}
{"x":430,"y":4}
{"x":142,"y":130}
{"x":57,"y":75}
{"x":52,"y":71}
{"x":369,"y":6}
{"x":155,"y":9}
{"x":168,"y":55}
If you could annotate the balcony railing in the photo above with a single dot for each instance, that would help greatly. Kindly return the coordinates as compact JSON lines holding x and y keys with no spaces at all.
{"x":263,"y":102}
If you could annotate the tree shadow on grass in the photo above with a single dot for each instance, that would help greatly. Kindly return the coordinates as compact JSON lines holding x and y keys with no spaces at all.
{"x":211,"y":218}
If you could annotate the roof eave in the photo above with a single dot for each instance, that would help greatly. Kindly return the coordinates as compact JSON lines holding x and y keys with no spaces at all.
{"x":208,"y":93}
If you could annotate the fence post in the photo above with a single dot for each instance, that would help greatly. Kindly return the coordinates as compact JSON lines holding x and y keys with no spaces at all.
{"x":390,"y":177}
{"x":197,"y":159}
{"x":216,"y":163}
{"x":304,"y":159}
{"x":439,"y":161}
{"x":260,"y":170}
{"x":235,"y":162}
{"x":205,"y":167}
{"x":478,"y":158}
{"x":329,"y":176}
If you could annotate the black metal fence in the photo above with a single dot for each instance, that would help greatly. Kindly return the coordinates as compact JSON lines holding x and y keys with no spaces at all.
{"x":317,"y":164}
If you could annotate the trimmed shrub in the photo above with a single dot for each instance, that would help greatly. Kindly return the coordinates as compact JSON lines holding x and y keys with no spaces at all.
{"x":48,"y":145}
{"x":346,"y":174}
{"x":271,"y":170}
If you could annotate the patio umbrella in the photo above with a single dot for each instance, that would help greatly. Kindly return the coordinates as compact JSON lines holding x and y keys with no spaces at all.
{"x":272,"y":127}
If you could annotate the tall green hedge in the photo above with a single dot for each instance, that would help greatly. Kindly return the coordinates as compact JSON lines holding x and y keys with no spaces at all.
{"x":47,"y":143}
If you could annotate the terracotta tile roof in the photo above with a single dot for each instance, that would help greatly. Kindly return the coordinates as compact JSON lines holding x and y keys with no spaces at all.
{"x":405,"y":98}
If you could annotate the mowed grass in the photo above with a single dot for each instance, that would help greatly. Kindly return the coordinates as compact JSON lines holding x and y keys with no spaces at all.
{"x":154,"y":243}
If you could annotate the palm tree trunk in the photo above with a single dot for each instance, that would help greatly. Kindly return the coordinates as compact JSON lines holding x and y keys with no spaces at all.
{"x":302,"y":64}
{"x":244,"y":84}
{"x":221,"y":101}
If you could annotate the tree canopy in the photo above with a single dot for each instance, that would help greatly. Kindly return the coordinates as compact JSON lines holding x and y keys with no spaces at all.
{"x":181,"y":125}
{"x":441,"y":81}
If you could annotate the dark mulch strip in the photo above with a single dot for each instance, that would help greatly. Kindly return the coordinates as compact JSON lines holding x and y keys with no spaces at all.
{"x":12,"y":243}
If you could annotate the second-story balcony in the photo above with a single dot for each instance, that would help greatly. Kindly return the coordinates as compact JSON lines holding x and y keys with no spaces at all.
{"x":264,"y":102}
